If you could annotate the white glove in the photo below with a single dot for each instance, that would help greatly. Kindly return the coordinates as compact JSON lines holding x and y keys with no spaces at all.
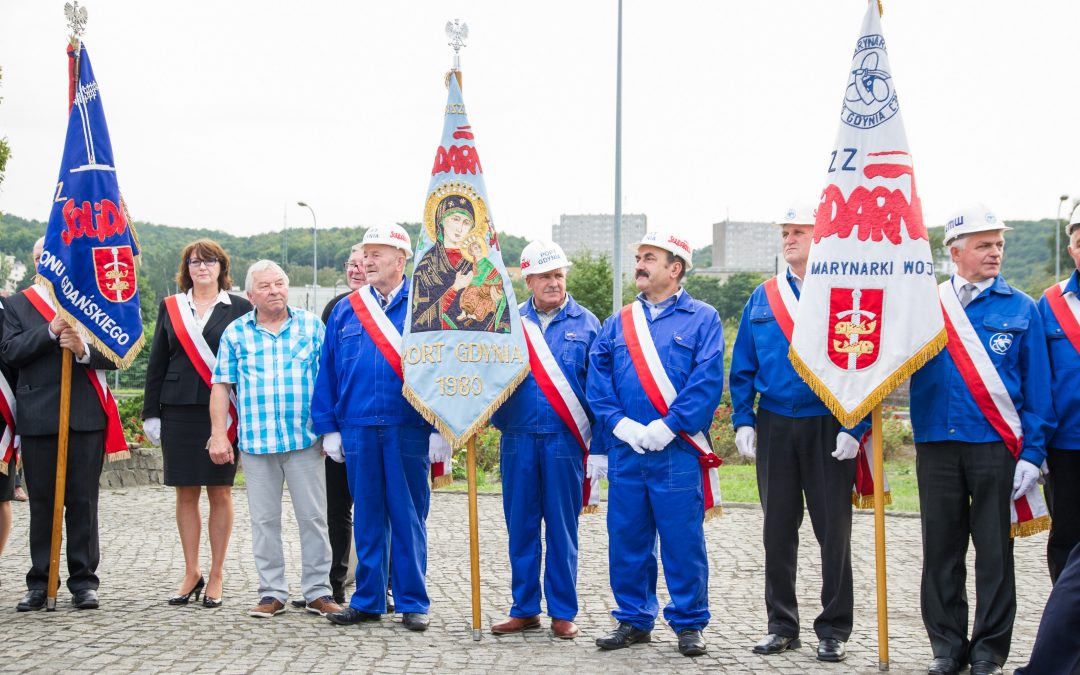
{"x":847,"y":446}
{"x":1024,"y":478}
{"x":746,"y":441}
{"x":438,"y":449}
{"x":151,"y":426}
{"x":18,"y":442}
{"x":630,"y":432}
{"x":657,"y":436}
{"x":596,"y":466}
{"x":331,"y":446}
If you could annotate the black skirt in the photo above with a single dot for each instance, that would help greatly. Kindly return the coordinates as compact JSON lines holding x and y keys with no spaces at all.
{"x":7,"y":482}
{"x":184,"y":432}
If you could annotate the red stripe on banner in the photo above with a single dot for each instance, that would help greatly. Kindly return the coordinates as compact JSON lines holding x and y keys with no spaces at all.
{"x":1023,"y":510}
{"x":114,"y":428}
{"x":371,"y":326}
{"x":779,"y":309}
{"x":1060,"y":307}
{"x":172,"y":307}
{"x":978,"y":389}
{"x":551,"y":393}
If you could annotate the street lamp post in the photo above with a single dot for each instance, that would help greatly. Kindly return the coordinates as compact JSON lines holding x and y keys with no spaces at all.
{"x":314,"y":253}
{"x":617,"y":253}
{"x":1057,"y":239}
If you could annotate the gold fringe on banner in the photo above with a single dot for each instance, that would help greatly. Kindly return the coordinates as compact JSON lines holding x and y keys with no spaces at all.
{"x":867,"y":501}
{"x":106,"y":351}
{"x":715,"y":512}
{"x":441,"y":481}
{"x":589,"y":509}
{"x":478,"y":424}
{"x":1034,"y":526}
{"x":117,"y":456}
{"x":852,"y":418}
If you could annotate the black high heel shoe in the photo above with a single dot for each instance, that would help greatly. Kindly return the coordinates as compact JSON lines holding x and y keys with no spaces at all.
{"x":211,"y":603}
{"x":186,"y":597}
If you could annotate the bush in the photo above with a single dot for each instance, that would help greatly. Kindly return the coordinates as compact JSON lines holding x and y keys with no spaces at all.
{"x":897,"y":438}
{"x":487,"y":458}
{"x":130,"y":408}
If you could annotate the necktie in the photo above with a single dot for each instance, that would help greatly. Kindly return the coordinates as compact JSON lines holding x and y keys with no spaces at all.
{"x":967,"y":294}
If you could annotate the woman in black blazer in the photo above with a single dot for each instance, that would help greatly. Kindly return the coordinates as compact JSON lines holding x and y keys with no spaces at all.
{"x":176,"y":411}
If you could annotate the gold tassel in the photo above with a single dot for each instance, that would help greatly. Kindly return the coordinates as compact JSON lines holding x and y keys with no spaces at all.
{"x":867,"y":501}
{"x":586,"y":510}
{"x":906,"y":369}
{"x":118,"y":456}
{"x":441,"y":481}
{"x":4,"y":468}
{"x":453,"y":439}
{"x":880,"y":9}
{"x":714,"y":512}
{"x":1027,"y":529}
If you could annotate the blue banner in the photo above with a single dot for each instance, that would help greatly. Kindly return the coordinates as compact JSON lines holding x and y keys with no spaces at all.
{"x":88,"y":262}
{"x":463,"y":348}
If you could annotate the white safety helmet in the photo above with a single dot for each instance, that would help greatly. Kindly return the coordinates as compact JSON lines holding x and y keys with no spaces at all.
{"x":974,"y":218}
{"x":388,"y":235}
{"x":799,"y":214}
{"x":671,"y":242}
{"x":542,"y":256}
{"x":1074,"y":222}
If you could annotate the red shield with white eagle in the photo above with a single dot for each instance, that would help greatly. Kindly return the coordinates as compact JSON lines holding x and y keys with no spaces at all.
{"x":854,"y":327}
{"x":114,"y":271}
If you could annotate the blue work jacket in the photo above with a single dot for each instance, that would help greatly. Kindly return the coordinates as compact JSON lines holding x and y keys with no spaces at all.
{"x":760,"y":367}
{"x":569,"y":336}
{"x":690,"y":341}
{"x":942,"y":407}
{"x":356,"y":386}
{"x":1065,"y":371}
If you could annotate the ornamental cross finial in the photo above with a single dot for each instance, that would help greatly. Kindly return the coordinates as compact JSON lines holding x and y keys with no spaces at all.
{"x":457,"y":31}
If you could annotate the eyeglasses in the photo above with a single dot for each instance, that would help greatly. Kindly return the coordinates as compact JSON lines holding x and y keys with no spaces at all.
{"x":195,"y":262}
{"x":352,"y":267}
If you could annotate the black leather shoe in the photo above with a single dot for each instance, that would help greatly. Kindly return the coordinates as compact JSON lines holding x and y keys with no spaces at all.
{"x":350,"y":616}
{"x":31,"y":602}
{"x":85,"y":599}
{"x":775,"y":644}
{"x":415,"y":621}
{"x":691,"y":643}
{"x":624,"y":635}
{"x":831,"y":649}
{"x":943,"y":665}
{"x":985,"y":668}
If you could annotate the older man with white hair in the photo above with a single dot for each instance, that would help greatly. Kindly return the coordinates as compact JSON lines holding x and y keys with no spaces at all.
{"x":271,"y":357}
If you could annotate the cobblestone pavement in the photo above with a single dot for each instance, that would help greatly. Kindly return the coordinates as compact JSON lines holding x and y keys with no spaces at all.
{"x":141,"y":564}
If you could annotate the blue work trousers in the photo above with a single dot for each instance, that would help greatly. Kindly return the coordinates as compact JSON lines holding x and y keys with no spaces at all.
{"x":657,"y":493}
{"x":388,"y":470}
{"x":542,"y":478}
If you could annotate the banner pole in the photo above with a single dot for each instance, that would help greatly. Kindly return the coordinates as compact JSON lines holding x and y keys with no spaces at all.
{"x":474,"y":539}
{"x":879,"y":540}
{"x":61,"y":479}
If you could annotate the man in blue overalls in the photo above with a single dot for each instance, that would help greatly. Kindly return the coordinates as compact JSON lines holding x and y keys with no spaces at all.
{"x":542,"y":460}
{"x":655,"y":476}
{"x":384,"y":442}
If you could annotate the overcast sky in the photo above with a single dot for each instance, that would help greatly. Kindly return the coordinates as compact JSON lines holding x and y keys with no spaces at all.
{"x":224,"y":114}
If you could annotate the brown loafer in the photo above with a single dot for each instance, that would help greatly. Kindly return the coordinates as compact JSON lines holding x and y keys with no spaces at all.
{"x":563,"y":629}
{"x":516,"y":625}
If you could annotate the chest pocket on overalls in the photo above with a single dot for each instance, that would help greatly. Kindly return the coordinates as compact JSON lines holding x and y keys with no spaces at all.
{"x":574,"y":350}
{"x":350,"y":341}
{"x":682,"y":351}
{"x":1006,"y":332}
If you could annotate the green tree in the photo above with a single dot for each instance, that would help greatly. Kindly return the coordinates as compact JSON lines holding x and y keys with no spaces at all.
{"x":589,"y":281}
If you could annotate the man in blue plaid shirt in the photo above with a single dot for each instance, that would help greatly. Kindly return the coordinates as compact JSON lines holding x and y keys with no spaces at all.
{"x":271,"y":357}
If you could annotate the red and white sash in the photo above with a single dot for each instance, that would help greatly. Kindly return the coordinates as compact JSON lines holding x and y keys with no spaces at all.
{"x":1029,"y":513}
{"x":1066,"y":309}
{"x":115,"y":445}
{"x":783,"y":303}
{"x":560,"y":395}
{"x":198,"y":351}
{"x":387,"y":339}
{"x":7,"y":416}
{"x":661,"y":393}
